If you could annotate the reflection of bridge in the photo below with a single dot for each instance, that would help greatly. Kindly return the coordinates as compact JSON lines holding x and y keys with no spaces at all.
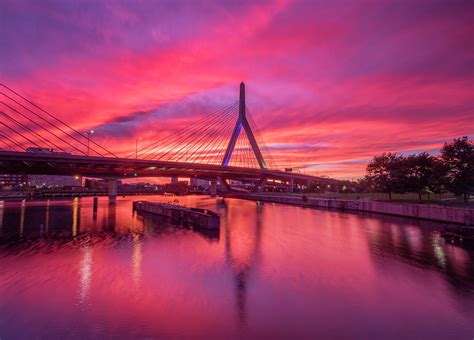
{"x":242,"y":259}
{"x":214,"y":149}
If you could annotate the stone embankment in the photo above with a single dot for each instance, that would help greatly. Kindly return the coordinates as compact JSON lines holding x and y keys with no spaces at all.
{"x":433,"y":212}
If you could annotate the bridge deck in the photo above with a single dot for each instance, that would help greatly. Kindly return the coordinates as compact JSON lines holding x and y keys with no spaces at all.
{"x":111,"y":167}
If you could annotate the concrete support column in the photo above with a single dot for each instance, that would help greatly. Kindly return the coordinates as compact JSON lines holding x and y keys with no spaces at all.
{"x":213,"y":188}
{"x":113,"y":184}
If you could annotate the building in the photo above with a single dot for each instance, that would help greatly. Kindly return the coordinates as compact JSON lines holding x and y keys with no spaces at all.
{"x":100,"y":184}
{"x":11,"y":182}
{"x":47,"y":181}
{"x":196,"y":182}
{"x":180,"y":188}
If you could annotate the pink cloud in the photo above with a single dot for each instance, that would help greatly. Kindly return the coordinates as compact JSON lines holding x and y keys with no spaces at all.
{"x":329,"y":85}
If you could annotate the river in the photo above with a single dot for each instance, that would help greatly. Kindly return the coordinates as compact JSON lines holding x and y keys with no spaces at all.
{"x":272,"y":271}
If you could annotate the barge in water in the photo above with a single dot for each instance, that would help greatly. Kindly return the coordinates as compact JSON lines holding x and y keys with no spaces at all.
{"x":195,"y":217}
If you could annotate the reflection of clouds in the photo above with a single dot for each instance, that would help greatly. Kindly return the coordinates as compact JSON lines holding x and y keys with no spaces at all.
{"x":85,"y":273}
{"x":137,"y":260}
{"x":415,"y":241}
{"x":459,"y":259}
{"x":395,"y":231}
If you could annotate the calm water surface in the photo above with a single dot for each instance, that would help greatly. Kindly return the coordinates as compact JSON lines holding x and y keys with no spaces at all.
{"x":272,"y":271}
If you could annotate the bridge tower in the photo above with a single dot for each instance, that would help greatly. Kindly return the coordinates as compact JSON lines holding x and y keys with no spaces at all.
{"x":243,"y":123}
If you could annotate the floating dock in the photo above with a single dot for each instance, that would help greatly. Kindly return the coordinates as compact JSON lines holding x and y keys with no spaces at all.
{"x":195,"y":217}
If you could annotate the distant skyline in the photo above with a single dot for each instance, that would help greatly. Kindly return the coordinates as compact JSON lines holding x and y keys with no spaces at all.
{"x":329,"y":84}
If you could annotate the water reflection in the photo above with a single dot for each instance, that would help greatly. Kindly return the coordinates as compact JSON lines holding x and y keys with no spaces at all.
{"x":421,"y":244}
{"x":46,"y":220}
{"x":242,"y":245}
{"x":85,"y":274}
{"x":1,"y":217}
{"x":112,"y":214}
{"x":137,"y":260}
{"x":271,"y":269}
{"x":22,"y":217}
{"x":75,"y":216}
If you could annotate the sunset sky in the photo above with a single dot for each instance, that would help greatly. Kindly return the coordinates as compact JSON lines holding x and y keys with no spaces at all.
{"x":329,"y":83}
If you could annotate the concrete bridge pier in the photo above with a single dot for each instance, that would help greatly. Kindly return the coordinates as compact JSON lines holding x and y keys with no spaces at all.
{"x":113,"y":184}
{"x":213,"y":188}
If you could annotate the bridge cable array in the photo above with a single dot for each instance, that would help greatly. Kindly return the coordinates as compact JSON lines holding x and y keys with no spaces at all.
{"x":24,"y":124}
{"x":206,"y":141}
{"x":29,"y":125}
{"x":261,"y":142}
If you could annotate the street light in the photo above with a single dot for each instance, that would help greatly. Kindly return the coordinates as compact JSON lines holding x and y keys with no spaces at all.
{"x":89,"y":133}
{"x":136,"y":146}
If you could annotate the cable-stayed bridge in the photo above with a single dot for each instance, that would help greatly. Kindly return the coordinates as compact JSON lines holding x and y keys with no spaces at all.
{"x":223,"y":146}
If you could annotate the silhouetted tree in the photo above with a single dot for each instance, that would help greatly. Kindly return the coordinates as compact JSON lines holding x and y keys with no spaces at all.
{"x":385,"y":172}
{"x":437,"y":181}
{"x":458,"y":156}
{"x":417,"y":172}
{"x":364,"y":185}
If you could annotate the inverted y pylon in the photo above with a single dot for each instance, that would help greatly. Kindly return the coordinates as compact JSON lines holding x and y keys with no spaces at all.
{"x":243,"y":123}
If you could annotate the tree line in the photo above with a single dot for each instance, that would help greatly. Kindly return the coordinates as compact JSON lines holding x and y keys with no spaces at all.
{"x":451,"y":171}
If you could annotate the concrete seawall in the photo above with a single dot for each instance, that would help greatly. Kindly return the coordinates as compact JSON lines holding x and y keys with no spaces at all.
{"x":462,"y":216}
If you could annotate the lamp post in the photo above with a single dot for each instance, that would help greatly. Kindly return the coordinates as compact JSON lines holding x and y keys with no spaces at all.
{"x":89,"y":133}
{"x":136,"y":146}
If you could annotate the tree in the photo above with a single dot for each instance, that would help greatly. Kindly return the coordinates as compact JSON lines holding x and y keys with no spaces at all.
{"x":363,"y":184}
{"x":458,"y":156}
{"x":418,"y":173}
{"x":384,"y":172}
{"x":437,"y":181}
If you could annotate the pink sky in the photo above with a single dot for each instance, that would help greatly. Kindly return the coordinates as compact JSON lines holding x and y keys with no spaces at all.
{"x":329,"y":84}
